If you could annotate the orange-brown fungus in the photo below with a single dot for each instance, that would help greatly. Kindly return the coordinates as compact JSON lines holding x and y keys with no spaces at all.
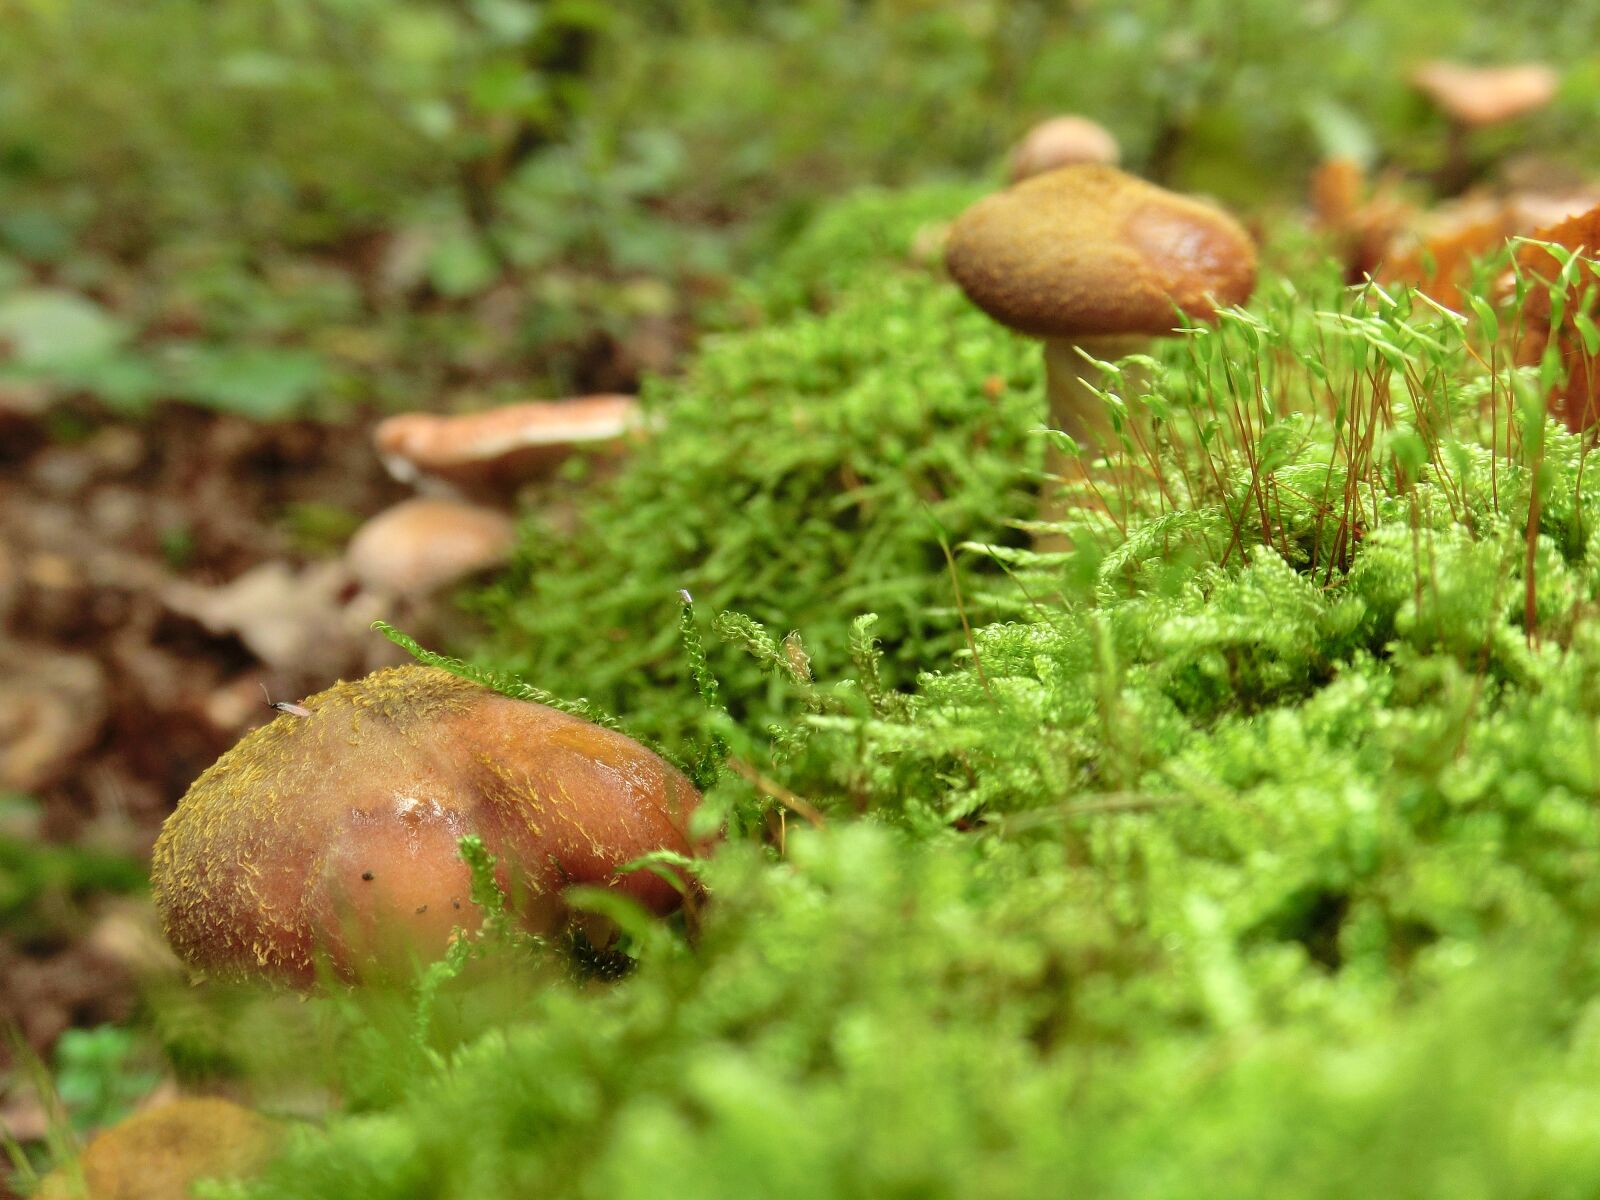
{"x":1089,"y":250}
{"x":423,"y":544}
{"x":1338,"y":191}
{"x":1486,"y":95}
{"x":503,"y":446}
{"x":1576,"y":401}
{"x":1059,"y":142}
{"x":1438,"y":257}
{"x":335,"y":834}
{"x":160,"y":1153}
{"x":1362,"y":220}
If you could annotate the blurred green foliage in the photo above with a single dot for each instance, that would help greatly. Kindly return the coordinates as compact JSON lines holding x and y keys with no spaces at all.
{"x":100,"y":1074}
{"x":41,"y":884}
{"x":959,"y":1017}
{"x":283,"y":207}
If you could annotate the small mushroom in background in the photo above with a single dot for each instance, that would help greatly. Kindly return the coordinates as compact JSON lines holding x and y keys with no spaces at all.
{"x":334,"y":835}
{"x":161,"y":1152}
{"x":1362,"y":219}
{"x":1476,"y":97}
{"x":469,"y":467}
{"x":424,"y":544}
{"x":1436,"y":252}
{"x":488,"y":454}
{"x":1061,"y":142}
{"x":1089,"y":258}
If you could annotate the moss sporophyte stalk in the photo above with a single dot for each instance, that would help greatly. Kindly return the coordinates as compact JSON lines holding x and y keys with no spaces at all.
{"x":1250,"y":847}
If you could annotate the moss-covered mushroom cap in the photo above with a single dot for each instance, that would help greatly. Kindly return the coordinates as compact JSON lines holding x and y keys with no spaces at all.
{"x":335,"y":833}
{"x":1088,"y":250}
{"x":159,"y":1154}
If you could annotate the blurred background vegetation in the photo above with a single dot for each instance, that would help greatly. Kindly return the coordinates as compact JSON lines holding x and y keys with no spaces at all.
{"x":288,"y":206}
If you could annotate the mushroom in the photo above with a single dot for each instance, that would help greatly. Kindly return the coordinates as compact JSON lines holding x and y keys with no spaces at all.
{"x":1060,"y":142}
{"x":334,"y":834}
{"x":160,"y":1153}
{"x":423,"y":544}
{"x":1090,"y":259}
{"x":493,"y":451}
{"x":1437,"y":255}
{"x":1361,"y":220}
{"x":1474,"y":97}
{"x":1576,"y":398}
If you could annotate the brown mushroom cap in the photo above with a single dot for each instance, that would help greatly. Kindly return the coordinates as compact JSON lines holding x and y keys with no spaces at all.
{"x":1089,"y":250}
{"x":1486,"y":95}
{"x":503,"y":446}
{"x":423,"y":544}
{"x":160,"y":1153}
{"x":335,"y":833}
{"x":1062,"y":141}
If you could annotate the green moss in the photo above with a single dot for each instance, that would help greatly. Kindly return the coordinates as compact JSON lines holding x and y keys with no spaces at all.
{"x":803,"y":473}
{"x":961,"y":1017}
{"x":1252,"y":850}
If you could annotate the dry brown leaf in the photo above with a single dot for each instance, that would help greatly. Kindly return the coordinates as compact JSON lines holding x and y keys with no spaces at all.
{"x":1438,"y":262}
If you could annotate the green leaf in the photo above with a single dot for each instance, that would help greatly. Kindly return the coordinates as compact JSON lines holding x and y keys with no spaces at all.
{"x":1486,"y":318}
{"x":1340,"y":133}
{"x":262,"y":382}
{"x":461,"y":266}
{"x":50,"y":328}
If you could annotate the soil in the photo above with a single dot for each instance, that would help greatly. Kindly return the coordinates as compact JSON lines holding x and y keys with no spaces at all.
{"x":154,"y":580}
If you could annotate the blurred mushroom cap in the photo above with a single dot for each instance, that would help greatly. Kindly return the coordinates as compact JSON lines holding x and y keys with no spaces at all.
{"x":421,"y":545}
{"x":161,"y":1152}
{"x":1060,"y":142}
{"x":1089,"y":250}
{"x":1486,"y":95}
{"x":501,"y":447}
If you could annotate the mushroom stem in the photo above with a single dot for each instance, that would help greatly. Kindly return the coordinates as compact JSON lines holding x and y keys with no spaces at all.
{"x":1078,"y":412}
{"x":1455,"y":172}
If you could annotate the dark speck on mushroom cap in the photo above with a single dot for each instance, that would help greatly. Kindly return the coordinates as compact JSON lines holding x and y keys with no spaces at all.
{"x":1090,"y":250}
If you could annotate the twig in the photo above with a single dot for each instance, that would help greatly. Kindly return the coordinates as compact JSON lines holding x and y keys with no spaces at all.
{"x":771,"y":787}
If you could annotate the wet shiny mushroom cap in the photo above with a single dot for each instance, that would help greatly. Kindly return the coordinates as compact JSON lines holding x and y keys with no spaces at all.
{"x":335,"y":833}
{"x":1089,"y":250}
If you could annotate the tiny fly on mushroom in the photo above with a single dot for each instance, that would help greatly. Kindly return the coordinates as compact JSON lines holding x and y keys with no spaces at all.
{"x":283,"y":706}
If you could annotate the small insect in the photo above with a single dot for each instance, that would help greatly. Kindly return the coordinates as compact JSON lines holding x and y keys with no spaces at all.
{"x":283,"y":706}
